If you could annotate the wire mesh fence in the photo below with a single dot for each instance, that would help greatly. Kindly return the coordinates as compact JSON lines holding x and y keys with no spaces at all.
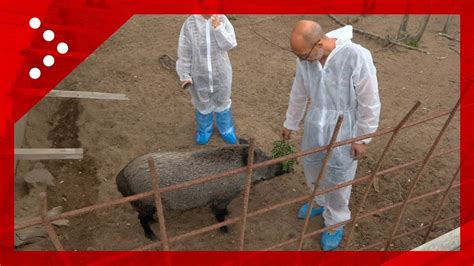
{"x":166,"y":241}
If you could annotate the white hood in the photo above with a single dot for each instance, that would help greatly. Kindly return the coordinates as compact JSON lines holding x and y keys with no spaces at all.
{"x":342,"y":34}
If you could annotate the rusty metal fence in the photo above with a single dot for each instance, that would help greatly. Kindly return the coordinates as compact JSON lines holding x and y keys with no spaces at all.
{"x":165,"y":240}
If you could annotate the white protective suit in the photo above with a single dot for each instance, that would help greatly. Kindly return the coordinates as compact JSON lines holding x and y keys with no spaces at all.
{"x":202,"y":57}
{"x":347,"y":84}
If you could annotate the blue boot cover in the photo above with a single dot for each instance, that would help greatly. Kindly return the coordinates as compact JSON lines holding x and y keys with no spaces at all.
{"x":204,"y":127}
{"x":226,"y":126}
{"x":314,"y":212}
{"x":330,"y":241}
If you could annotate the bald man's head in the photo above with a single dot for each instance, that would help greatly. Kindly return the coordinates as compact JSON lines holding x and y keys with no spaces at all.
{"x":305,"y":34}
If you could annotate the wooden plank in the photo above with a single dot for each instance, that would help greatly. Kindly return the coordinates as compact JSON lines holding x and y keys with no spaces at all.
{"x":48,"y":154}
{"x":20,"y":128}
{"x":74,"y":94}
{"x":447,"y":242}
{"x":88,"y":95}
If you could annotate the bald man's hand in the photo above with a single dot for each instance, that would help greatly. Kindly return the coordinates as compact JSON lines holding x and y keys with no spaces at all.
{"x":358,"y":150}
{"x":216,"y":22}
{"x":286,"y":133}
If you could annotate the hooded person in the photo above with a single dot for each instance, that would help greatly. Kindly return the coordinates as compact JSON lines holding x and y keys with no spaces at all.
{"x":203,"y":62}
{"x":339,"y":78}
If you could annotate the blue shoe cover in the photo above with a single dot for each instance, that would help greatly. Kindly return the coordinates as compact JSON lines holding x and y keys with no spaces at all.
{"x":332,"y":241}
{"x":204,"y":127}
{"x":314,"y":212}
{"x":225,"y":125}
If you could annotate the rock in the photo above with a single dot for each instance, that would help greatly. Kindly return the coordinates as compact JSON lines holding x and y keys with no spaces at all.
{"x":28,"y":236}
{"x":39,"y":179}
{"x":62,"y":222}
{"x":56,"y":211}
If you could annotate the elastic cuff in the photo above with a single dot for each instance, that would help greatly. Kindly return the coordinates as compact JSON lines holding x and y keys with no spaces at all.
{"x":364,"y":141}
{"x":296,"y":128}
{"x":223,"y":108}
{"x":185,"y":77}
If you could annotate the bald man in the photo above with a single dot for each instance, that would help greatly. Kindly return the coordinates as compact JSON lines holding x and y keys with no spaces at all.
{"x":338,"y":77}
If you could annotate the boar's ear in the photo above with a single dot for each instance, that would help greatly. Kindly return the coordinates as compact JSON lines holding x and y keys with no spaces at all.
{"x":245,"y":154}
{"x":243,"y":141}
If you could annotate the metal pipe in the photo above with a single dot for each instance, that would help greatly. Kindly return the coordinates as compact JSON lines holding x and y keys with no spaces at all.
{"x":291,"y":156}
{"x":157,"y":192}
{"x":235,"y":220}
{"x":159,"y":206}
{"x":46,"y":223}
{"x":410,"y":232}
{"x":341,"y":185}
{"x":322,"y":171}
{"x":191,"y":233}
{"x":88,"y":209}
{"x":112,"y":203}
{"x":420,"y":171}
{"x":248,"y":183}
{"x":440,"y":207}
{"x":377,"y":168}
{"x":37,"y":221}
{"x":316,"y":232}
{"x":108,"y":204}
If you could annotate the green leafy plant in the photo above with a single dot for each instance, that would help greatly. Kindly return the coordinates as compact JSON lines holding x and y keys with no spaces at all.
{"x":413,"y":43}
{"x":283,"y":148}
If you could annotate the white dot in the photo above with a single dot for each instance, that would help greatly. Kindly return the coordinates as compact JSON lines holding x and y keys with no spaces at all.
{"x":35,"y":73}
{"x":48,"y":60}
{"x":62,"y":48}
{"x":48,"y":35}
{"x":35,"y":23}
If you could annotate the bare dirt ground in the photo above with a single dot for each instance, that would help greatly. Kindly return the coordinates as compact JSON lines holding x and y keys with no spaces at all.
{"x":159,"y":117}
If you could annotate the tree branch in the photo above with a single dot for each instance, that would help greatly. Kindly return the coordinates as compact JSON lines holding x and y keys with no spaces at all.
{"x":375,"y":36}
{"x":448,"y":37}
